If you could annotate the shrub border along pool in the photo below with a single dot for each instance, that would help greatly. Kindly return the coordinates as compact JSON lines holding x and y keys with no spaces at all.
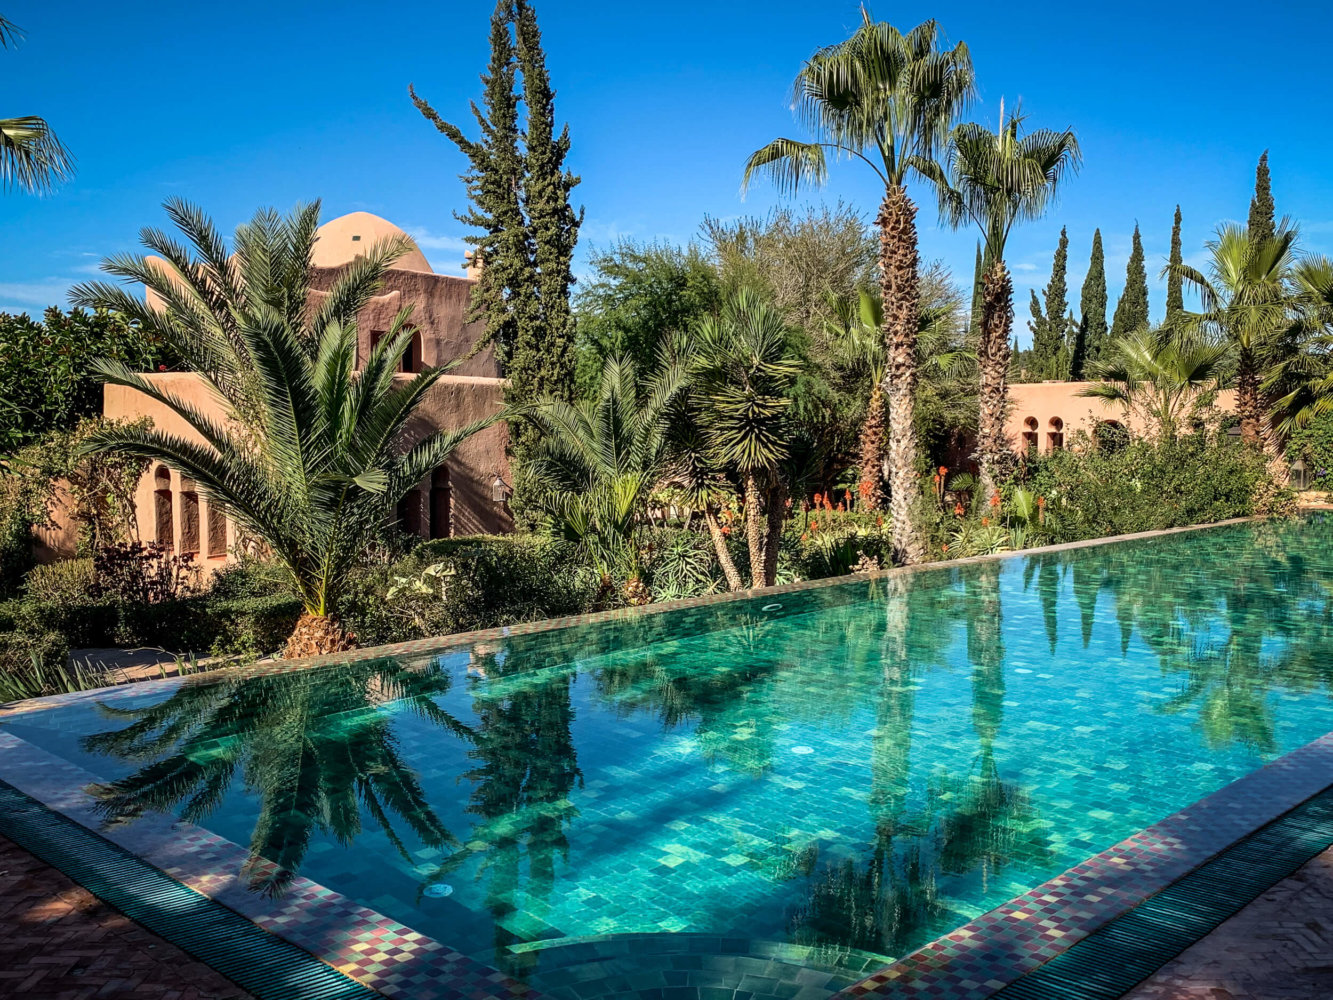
{"x":998,"y":953}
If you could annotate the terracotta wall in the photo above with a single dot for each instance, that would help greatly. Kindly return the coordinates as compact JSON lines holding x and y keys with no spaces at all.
{"x":1049,"y":413}
{"x":439,"y":302}
{"x":169,"y":509}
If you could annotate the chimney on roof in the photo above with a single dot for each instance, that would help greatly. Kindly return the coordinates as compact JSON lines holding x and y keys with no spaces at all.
{"x":471,"y":264}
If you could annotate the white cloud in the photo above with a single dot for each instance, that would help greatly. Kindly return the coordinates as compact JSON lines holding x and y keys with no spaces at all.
{"x":51,"y":292}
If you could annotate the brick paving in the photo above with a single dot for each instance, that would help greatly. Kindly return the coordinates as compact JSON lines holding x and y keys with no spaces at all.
{"x":1280,"y":947}
{"x":59,"y":942}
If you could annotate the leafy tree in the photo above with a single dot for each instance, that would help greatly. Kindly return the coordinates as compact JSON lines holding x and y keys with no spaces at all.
{"x":1262,"y":225}
{"x":1092,"y":312}
{"x":1247,"y":303}
{"x":741,"y":372}
{"x":308,"y":456}
{"x":519,"y":190}
{"x":32,"y":158}
{"x":46,"y":377}
{"x":993,"y":180}
{"x":1131,"y":312}
{"x":885,"y":99}
{"x":1175,"y":298}
{"x":638,"y":296}
{"x":1163,"y":379}
{"x":1048,"y":323}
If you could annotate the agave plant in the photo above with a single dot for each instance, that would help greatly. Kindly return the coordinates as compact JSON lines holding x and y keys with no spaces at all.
{"x":32,"y":158}
{"x":308,"y":456}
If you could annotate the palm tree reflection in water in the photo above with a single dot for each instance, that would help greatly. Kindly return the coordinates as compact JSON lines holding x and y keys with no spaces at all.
{"x":314,"y":746}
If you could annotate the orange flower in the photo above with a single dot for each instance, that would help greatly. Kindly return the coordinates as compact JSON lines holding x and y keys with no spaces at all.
{"x":985,"y":522}
{"x":879,"y":522}
{"x":944,"y":547}
{"x":726,"y":530}
{"x":943,"y":469}
{"x":816,"y":499}
{"x":849,"y":495}
{"x":995,"y":499}
{"x":1041,"y":501}
{"x":814,"y":525}
{"x":840,"y":507}
{"x":958,"y":510}
{"x":805,"y":536}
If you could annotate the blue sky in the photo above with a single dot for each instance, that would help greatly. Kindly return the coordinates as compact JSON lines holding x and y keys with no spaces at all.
{"x":246,"y":104}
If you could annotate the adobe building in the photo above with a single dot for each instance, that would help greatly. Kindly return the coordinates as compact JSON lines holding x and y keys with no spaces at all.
{"x":465,"y":496}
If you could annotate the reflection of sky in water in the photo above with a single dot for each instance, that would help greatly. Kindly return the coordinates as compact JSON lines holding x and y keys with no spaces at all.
{"x":868,"y":768}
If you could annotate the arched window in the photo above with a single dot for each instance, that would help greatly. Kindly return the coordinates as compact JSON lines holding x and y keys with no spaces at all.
{"x":217,"y":532}
{"x":412,"y":359}
{"x":1030,"y":434}
{"x":441,"y":500}
{"x":1110,"y":436}
{"x":1055,"y":434}
{"x":189,"y":516}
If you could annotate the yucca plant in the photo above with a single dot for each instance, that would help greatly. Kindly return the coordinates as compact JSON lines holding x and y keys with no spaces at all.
{"x":32,"y":158}
{"x":309,"y":456}
{"x":887,"y":100}
{"x":993,"y":180}
{"x":741,"y":371}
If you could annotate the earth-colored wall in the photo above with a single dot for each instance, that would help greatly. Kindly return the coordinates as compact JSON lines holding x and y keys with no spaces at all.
{"x":1056,"y":408}
{"x":163,"y":497}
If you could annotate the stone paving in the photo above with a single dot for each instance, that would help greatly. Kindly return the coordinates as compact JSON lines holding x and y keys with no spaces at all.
{"x":1280,"y":947}
{"x":59,"y":942}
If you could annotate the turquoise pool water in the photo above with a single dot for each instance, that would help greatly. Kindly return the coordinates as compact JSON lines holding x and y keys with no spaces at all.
{"x":854,"y":773}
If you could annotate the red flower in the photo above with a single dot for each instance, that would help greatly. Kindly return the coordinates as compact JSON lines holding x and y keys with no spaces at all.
{"x":943,"y":469}
{"x":958,"y":510}
{"x":161,"y":368}
{"x":726,"y":530}
{"x":995,"y":499}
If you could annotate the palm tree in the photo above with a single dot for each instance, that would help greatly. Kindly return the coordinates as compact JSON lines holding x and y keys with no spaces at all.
{"x":1161,"y":378}
{"x":308,"y":457}
{"x":888,"y":100}
{"x":1247,"y":303}
{"x":741,"y":371}
{"x":993,"y":180}
{"x":1302,"y":382}
{"x":597,"y":459}
{"x":32,"y":158}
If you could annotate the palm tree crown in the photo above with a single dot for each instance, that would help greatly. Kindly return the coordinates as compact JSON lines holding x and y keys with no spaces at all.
{"x":32,"y":158}
{"x":310,"y":457}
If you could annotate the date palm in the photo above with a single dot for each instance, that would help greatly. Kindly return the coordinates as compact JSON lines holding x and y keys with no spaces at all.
{"x":993,"y":180}
{"x":1160,"y":378}
{"x":886,"y":99}
{"x":309,"y":456}
{"x":32,"y":158}
{"x":597,"y":459}
{"x":1247,"y":302}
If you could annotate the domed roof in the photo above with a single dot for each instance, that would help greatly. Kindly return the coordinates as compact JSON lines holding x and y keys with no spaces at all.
{"x":341,"y":240}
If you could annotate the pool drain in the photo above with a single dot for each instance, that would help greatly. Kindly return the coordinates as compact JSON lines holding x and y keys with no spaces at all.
{"x":771,"y":607}
{"x":438,"y":891}
{"x":802,"y":750}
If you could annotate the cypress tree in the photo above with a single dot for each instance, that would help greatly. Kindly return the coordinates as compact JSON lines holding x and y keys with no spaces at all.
{"x":1131,"y":312}
{"x":1048,"y":330}
{"x":1262,"y":223}
{"x":1092,"y":310}
{"x":494,"y":181}
{"x":975,"y":323}
{"x":1175,"y":299}
{"x":542,"y":363}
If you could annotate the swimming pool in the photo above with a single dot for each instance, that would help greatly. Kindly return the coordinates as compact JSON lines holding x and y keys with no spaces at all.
{"x":843,"y":772}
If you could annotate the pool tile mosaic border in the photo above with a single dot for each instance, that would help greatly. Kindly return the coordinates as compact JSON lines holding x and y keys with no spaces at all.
{"x":441,"y":644}
{"x":362,"y":944}
{"x":984,"y":956}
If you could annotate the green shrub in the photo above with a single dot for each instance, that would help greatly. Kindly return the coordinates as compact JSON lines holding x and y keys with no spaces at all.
{"x":488,"y":581}
{"x":64,"y":581}
{"x":1314,"y":444}
{"x":1145,"y":486}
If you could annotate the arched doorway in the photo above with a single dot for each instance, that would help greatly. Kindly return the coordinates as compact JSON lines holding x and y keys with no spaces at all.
{"x":409,"y":512}
{"x":189,"y":517}
{"x":441,"y":504}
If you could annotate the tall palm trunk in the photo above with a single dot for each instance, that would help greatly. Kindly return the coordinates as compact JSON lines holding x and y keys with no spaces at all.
{"x":777,"y":515}
{"x":729,"y":570}
{"x":899,"y":287}
{"x":872,"y":449}
{"x":997,"y":320}
{"x":1248,"y":406}
{"x":753,"y":531}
